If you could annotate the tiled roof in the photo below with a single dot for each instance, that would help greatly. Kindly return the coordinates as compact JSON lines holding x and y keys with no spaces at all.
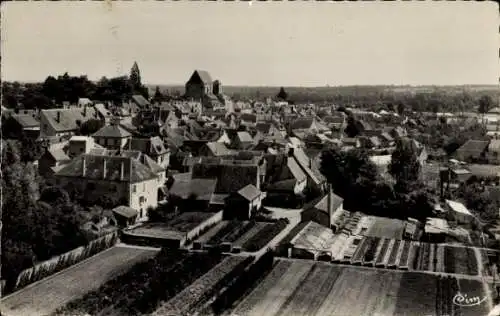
{"x":295,"y":169}
{"x":151,"y":146}
{"x":58,"y":151}
{"x":249,"y":192}
{"x":68,"y":117}
{"x":244,"y":137}
{"x":140,"y":100}
{"x":26,"y":121}
{"x":204,"y":76}
{"x":218,"y":149}
{"x":103,"y":111}
{"x":230,"y":176}
{"x":302,"y":123}
{"x":335,"y":199}
{"x":125,"y":211}
{"x":476,"y":146}
{"x":133,"y":170}
{"x":112,"y":131}
{"x":201,"y":188}
{"x":282,"y":186}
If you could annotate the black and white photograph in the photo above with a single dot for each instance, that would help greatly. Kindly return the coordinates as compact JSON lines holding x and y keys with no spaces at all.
{"x":250,"y":158}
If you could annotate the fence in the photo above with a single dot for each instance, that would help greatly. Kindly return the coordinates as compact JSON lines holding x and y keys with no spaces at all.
{"x":56,"y":264}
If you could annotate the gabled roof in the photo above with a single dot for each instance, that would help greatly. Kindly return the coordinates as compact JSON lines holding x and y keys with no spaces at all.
{"x":112,"y":131}
{"x":218,"y":149}
{"x":68,"y":118}
{"x":125,"y":211}
{"x":476,"y":146}
{"x":103,"y":111}
{"x":282,"y":186}
{"x":244,"y":137}
{"x":26,"y":121}
{"x":249,"y":192}
{"x":295,"y":169}
{"x":323,"y":203}
{"x":92,"y":167}
{"x":202,"y":189}
{"x":57,"y":151}
{"x":458,"y":207}
{"x":302,"y":123}
{"x":153,"y":146}
{"x":305,"y":162}
{"x":204,"y":76}
{"x":140,"y":100}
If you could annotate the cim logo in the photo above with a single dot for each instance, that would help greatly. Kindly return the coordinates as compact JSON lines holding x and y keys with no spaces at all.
{"x":464,"y":300}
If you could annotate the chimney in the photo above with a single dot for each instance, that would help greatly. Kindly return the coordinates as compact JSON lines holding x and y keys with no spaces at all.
{"x":104,"y":169}
{"x":122,"y":171}
{"x":329,"y":204}
{"x":58,"y":117}
{"x":84,"y":166}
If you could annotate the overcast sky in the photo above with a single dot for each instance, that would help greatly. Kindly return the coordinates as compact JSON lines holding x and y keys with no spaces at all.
{"x":279,"y":44}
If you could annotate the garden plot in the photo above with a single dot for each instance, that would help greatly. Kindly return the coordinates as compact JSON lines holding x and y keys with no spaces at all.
{"x":186,"y":302}
{"x":460,"y":260}
{"x":47,"y":295}
{"x":140,"y":289}
{"x":249,"y":234}
{"x":203,"y":239}
{"x":385,"y":228}
{"x":300,"y":287}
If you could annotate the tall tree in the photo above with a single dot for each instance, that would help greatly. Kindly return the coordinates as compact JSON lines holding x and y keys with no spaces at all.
{"x":404,"y":166}
{"x":485,"y":104}
{"x":282,"y":95}
{"x":352,"y":128}
{"x":135,"y":77}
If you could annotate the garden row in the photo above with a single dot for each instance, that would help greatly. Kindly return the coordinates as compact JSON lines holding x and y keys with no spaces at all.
{"x":235,"y":236}
{"x":195,"y":296}
{"x":145,"y":285}
{"x":314,"y":288}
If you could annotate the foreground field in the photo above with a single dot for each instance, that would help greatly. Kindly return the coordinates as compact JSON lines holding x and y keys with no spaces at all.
{"x":299,"y":287}
{"x":47,"y":295}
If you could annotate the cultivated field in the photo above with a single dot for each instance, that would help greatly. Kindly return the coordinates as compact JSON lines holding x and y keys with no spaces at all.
{"x":45,"y":296}
{"x":300,"y":287}
{"x":241,"y":235}
{"x":386,"y":228}
{"x":145,"y":285}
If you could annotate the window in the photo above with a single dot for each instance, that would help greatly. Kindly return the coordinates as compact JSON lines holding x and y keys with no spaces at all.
{"x":143,"y":187}
{"x":134,"y":188}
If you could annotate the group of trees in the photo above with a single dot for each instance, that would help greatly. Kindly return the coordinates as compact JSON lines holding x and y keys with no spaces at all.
{"x":55,"y":90}
{"x":39,"y":221}
{"x":36,"y":224}
{"x":476,"y":197}
{"x":356,"y":179}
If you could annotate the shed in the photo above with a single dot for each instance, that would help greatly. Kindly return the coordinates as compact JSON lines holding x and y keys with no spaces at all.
{"x":125,"y":216}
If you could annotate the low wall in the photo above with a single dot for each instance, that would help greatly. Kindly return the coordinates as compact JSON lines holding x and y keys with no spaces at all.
{"x":63,"y":261}
{"x":217,"y":217}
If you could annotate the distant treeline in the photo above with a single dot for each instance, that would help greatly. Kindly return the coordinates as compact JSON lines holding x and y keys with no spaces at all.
{"x":55,"y":90}
{"x":421,"y":98}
